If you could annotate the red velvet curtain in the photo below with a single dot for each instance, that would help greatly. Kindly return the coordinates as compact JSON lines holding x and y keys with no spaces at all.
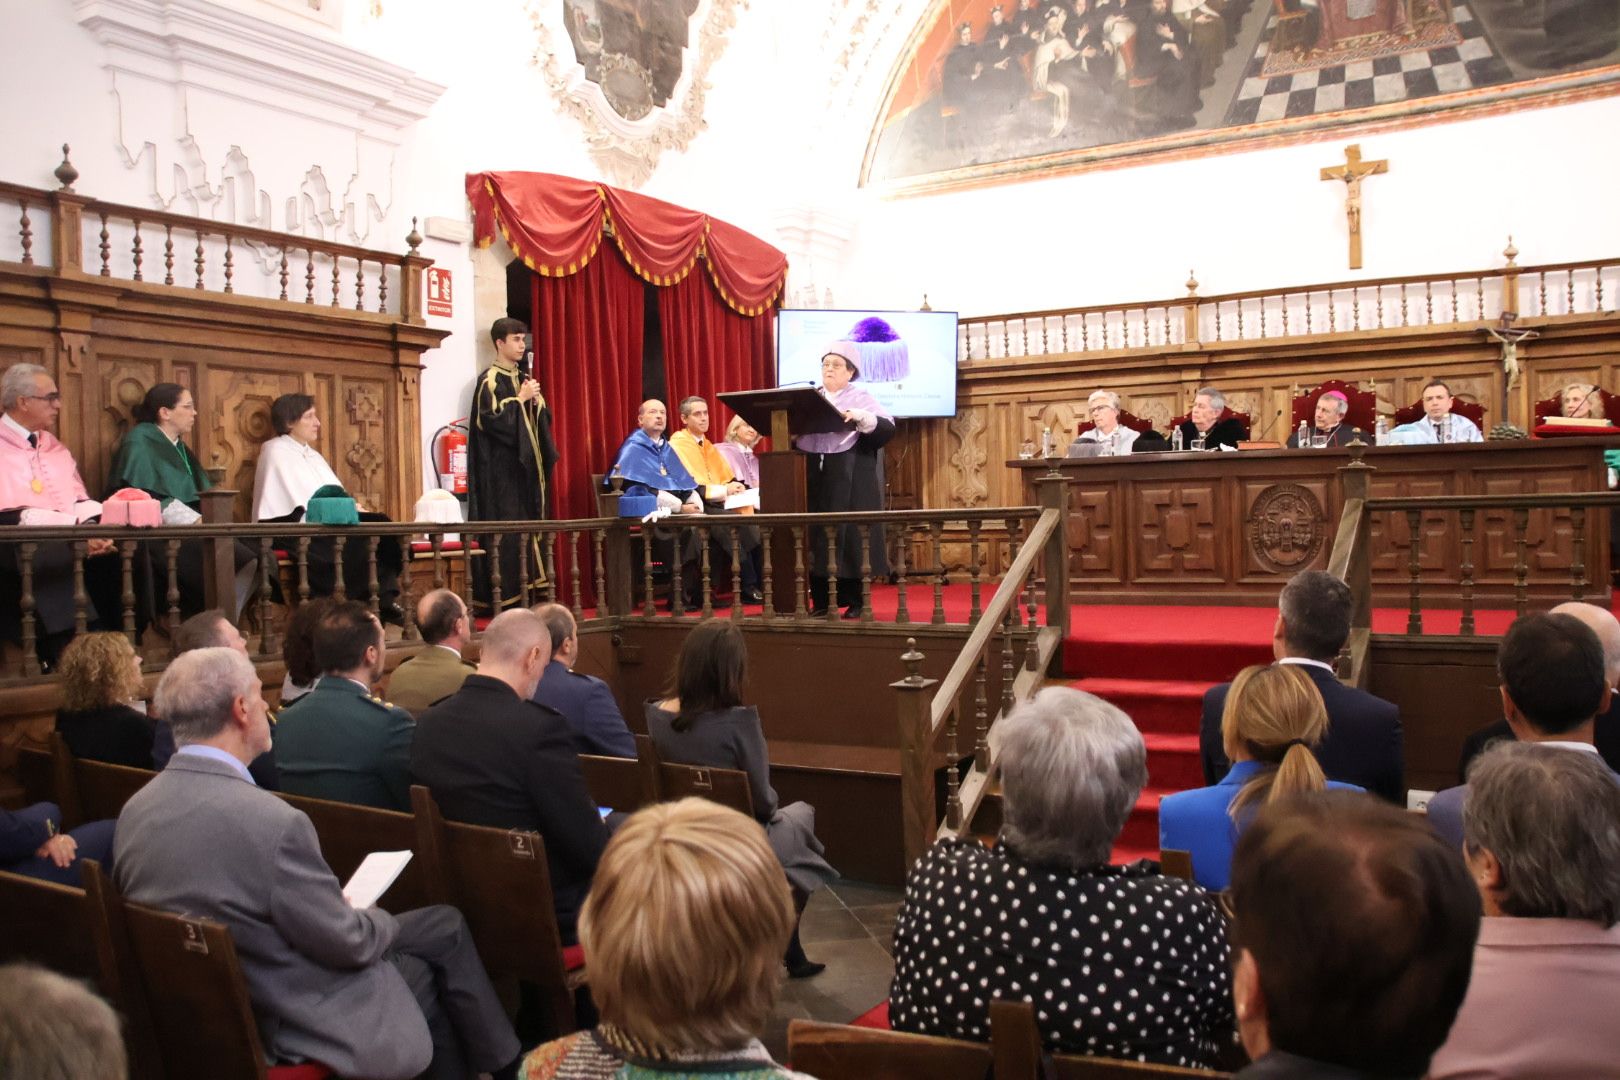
{"x":709,"y":348}
{"x":588,"y":338}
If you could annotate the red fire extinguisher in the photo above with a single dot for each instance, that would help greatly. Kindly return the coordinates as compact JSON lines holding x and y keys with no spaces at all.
{"x":450,"y":456}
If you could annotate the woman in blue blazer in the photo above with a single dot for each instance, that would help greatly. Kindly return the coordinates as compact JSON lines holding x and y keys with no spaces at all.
{"x":1274,"y":716}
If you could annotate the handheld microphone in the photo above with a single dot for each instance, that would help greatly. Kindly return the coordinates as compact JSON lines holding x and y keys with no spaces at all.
{"x":525,"y":366}
{"x":1268,"y":426}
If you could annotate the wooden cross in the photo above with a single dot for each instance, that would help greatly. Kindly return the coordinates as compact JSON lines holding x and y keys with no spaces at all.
{"x":1351,"y":173}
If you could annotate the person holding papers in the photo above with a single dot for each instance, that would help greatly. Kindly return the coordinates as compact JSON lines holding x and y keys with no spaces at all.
{"x":363,"y":992}
{"x":719,"y":489}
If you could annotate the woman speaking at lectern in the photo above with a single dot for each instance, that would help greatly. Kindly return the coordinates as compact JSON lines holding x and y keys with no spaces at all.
{"x":842,"y":474}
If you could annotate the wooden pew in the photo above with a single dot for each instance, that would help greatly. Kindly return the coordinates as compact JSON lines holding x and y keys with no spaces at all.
{"x":50,"y":925}
{"x":500,"y":882}
{"x":348,"y":833}
{"x":83,"y":790}
{"x":728,"y":787}
{"x":1016,"y":1040}
{"x":617,"y":783}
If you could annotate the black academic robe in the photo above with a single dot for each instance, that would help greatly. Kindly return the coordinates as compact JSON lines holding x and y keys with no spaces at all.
{"x":1339,"y":436}
{"x":1226,"y":432}
{"x":840,"y":483}
{"x":510,"y":457}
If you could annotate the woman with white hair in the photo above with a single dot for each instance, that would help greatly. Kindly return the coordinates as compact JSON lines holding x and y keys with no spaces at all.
{"x":1541,"y":836}
{"x":1106,"y":430}
{"x":1118,"y":961}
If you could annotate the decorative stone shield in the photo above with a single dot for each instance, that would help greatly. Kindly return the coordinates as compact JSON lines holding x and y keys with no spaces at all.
{"x":1286,"y":527}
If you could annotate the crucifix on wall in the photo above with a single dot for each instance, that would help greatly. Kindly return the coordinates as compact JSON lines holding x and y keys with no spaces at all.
{"x":1351,"y":174}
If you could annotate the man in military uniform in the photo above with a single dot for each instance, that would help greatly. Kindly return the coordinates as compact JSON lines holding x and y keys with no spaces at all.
{"x":585,"y":701}
{"x":438,"y":670}
{"x":340,"y":741}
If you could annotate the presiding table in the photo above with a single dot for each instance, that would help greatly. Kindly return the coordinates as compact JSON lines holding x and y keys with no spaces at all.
{"x":1230,"y":527}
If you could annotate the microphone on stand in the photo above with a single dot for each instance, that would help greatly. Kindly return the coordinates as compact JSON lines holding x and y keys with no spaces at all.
{"x":1268,"y":426}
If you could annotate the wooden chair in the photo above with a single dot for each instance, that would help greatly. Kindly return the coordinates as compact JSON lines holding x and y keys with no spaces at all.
{"x":1363,"y":411}
{"x":1471,"y":409}
{"x":728,"y":787}
{"x":841,"y":1052}
{"x":1552,"y":408}
{"x":348,"y":833}
{"x":1016,"y":1041}
{"x":36,"y":774}
{"x":1177,"y":864}
{"x":499,"y":881}
{"x":83,"y":790}
{"x":50,"y":925}
{"x":1126,"y":419}
{"x":617,"y":783}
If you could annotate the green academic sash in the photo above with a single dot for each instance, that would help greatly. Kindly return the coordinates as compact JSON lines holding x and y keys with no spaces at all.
{"x":146,"y":459}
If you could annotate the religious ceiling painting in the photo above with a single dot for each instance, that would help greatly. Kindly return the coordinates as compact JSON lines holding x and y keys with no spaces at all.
{"x":990,"y":88}
{"x":633,"y":72}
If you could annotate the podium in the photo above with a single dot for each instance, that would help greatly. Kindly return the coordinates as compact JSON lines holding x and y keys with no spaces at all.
{"x":781,"y":413}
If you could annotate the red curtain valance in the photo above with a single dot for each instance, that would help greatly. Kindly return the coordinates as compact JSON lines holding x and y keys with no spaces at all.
{"x":555,"y":224}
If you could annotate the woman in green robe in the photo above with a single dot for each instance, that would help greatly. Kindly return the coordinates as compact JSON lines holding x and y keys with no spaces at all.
{"x":155,"y":458}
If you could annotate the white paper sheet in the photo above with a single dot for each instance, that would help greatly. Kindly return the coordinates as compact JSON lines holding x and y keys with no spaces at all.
{"x":749,"y":497}
{"x":374,"y":876}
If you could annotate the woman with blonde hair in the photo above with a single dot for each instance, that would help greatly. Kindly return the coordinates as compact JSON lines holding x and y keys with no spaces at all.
{"x":685,"y":925}
{"x":1274,"y":719}
{"x":1580,"y":401}
{"x":101,"y":675}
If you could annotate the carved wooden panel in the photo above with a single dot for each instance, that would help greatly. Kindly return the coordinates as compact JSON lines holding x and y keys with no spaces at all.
{"x":1391,"y":534}
{"x":1176,"y":528}
{"x":120,"y":384}
{"x":363,"y":451}
{"x":1095,"y":553}
{"x":1549,"y":535}
{"x":238,"y":421}
{"x":970,"y":488}
{"x":1286,"y":527}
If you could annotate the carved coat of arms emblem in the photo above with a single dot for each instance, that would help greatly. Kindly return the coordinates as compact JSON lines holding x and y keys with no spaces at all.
{"x":1286,"y":527}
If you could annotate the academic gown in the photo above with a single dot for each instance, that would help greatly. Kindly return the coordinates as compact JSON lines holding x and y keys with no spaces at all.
{"x":843,"y":473}
{"x":1227,"y":432}
{"x":510,"y":458}
{"x":288,"y":474}
{"x":1342,"y":435}
{"x":644,"y":468}
{"x":169,"y":472}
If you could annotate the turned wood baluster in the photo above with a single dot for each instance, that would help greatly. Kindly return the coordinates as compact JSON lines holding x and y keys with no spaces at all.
{"x":798,"y":572}
{"x":548,"y":552}
{"x":1146,"y":330}
{"x":936,"y":531}
{"x":1355,"y":309}
{"x":467,"y":543}
{"x":382,"y":289}
{"x":765,"y":574}
{"x":1597,"y":273}
{"x":405,"y":603}
{"x":171,"y":556}
{"x":81,"y":599}
{"x":1032,"y":651}
{"x":1414,"y":617}
{"x":30,"y":650}
{"x":168,"y":254}
{"x":494,"y":558}
{"x":981,"y":709}
{"x":1167,"y":331}
{"x":1333,"y":315}
{"x":1378,"y":297}
{"x":736,"y":573}
{"x":677,"y":593}
{"x":832,"y":573}
{"x":1285,"y":314}
{"x":1521,"y":563}
{"x":360,"y":285}
{"x":1467,"y":569}
{"x":1063,"y":332}
{"x":1217,"y":308}
{"x":267,"y":562}
{"x":437,"y":540}
{"x":1024,"y":327}
{"x":1454,"y":292}
{"x":1006,"y":347}
{"x":340,"y":588}
{"x":126,"y":599}
{"x":1045,"y":341}
{"x":598,"y":544}
{"x":309,"y":276}
{"x":1404,"y":321}
{"x":1240,"y":318}
{"x":303,"y":569}
{"x":200,"y":261}
{"x":106,"y":248}
{"x":974,"y":568}
{"x":902,"y":614}
{"x":1569,"y":292}
{"x":866,"y":574}
{"x":337,"y":279}
{"x":1428,"y":303}
{"x":135,"y":250}
{"x":576,"y":602}
{"x":1577,"y":569}
{"x":27,"y":230}
{"x":372,"y":584}
{"x":705,"y":571}
{"x":1479,"y":298}
{"x":525,"y":543}
{"x":1084,"y":344}
{"x":283,"y":295}
{"x":230,"y":261}
{"x":953,"y":797}
{"x":648,"y":608}
{"x":1009,"y":666}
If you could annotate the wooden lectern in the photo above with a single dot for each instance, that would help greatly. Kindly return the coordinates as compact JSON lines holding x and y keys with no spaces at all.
{"x":781,"y":413}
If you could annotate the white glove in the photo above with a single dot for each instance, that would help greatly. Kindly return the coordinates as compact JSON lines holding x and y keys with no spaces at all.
{"x":657,"y":515}
{"x":668,"y":502}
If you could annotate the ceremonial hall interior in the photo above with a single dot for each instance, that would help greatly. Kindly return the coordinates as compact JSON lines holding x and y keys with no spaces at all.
{"x":957,"y":435}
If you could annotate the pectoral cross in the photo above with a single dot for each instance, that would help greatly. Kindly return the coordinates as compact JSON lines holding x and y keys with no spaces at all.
{"x":1352,"y":173}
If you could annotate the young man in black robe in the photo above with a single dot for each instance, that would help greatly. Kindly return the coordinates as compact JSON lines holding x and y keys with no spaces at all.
{"x":510,"y":456}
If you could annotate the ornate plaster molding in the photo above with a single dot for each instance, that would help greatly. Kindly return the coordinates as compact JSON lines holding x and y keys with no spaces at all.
{"x":627,"y":150}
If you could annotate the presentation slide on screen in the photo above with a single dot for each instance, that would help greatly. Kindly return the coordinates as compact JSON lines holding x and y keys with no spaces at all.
{"x":908,"y":358}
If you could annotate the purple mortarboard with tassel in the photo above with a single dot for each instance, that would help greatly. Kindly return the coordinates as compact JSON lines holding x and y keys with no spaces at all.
{"x":884,"y":355}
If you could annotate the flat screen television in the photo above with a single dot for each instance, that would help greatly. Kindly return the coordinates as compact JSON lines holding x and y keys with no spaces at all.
{"x":908,"y":357}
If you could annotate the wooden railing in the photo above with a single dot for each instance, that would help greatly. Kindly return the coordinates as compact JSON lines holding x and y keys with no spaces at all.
{"x":1020,"y":653}
{"x":94,"y":238}
{"x":1473,"y":298}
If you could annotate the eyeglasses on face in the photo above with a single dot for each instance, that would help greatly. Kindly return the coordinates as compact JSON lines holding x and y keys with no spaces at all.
{"x":55,"y":397}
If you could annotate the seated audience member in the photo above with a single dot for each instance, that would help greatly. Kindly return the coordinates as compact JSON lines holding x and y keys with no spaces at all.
{"x":1205,"y":421}
{"x":1274,"y":718}
{"x":1606,"y":726}
{"x":1581,"y":401}
{"x":438,"y":670}
{"x":212,"y":630}
{"x":1106,"y":431}
{"x":1031,"y":917}
{"x":1541,"y":834}
{"x":684,"y":928}
{"x":715,"y":483}
{"x":100,"y":676}
{"x":654,"y":481}
{"x":1353,"y":928}
{"x":701,"y":720}
{"x":154,"y":457}
{"x":363,"y":992}
{"x":1439,"y":423}
{"x":1363,"y":741}
{"x":33,"y":844}
{"x":1553,"y":686}
{"x":298,"y":649}
{"x":493,"y":757}
{"x":55,"y":1028}
{"x":37,"y":473}
{"x":739,"y":452}
{"x":340,"y":741}
{"x":290,"y":471}
{"x":584,"y":701}
{"x":1329,"y":421}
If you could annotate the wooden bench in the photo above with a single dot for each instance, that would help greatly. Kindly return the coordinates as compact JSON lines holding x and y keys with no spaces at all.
{"x":83,"y":790}
{"x":348,"y":833}
{"x":623,"y":784}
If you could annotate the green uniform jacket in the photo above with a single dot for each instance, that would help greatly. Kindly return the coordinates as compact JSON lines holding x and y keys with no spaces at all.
{"x":341,"y":743}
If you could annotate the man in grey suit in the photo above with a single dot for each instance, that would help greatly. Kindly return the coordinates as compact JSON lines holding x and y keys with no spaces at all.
{"x":363,"y":992}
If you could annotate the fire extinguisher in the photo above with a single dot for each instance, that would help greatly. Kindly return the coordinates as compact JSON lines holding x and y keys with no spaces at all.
{"x":450,"y":456}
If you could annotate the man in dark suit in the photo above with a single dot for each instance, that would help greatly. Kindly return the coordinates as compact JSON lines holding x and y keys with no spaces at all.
{"x":1554,"y":685}
{"x":363,"y":992}
{"x":340,"y":741}
{"x":584,"y":701}
{"x":209,"y":630}
{"x":1363,"y":744}
{"x":491,"y":756}
{"x":438,"y":670}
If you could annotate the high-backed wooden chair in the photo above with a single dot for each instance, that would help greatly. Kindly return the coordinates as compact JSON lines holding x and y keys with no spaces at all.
{"x":1552,"y":408}
{"x":1471,"y":409}
{"x":348,"y":833}
{"x":841,"y":1052}
{"x":499,"y":881}
{"x":1363,"y":411}
{"x":1126,"y":419}
{"x":50,"y":925}
{"x":617,"y":783}
{"x":728,"y":787}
